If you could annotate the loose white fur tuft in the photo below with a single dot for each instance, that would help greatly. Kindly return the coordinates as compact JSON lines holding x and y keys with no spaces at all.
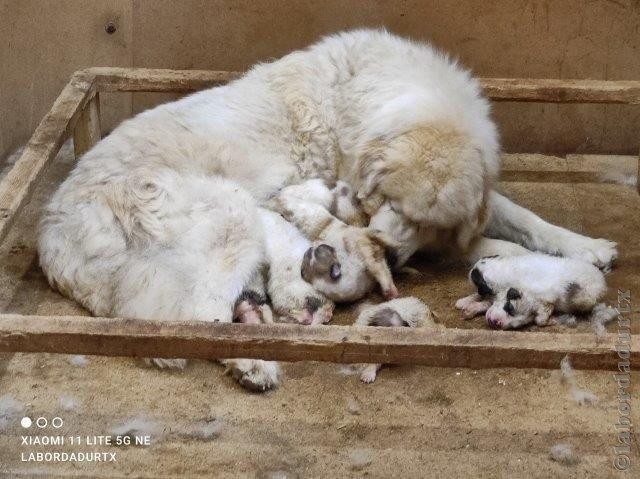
{"x":68,"y":403}
{"x":360,"y":458}
{"x":564,"y":454}
{"x":582,"y":397}
{"x":601,"y":316}
{"x":205,"y":430}
{"x":10,"y":410}
{"x":139,"y":426}
{"x":78,"y":360}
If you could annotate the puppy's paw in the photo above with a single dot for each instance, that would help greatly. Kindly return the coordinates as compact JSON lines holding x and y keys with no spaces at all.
{"x":254,"y":374}
{"x":463,"y":303}
{"x":249,"y":308}
{"x":316,"y":310}
{"x":166,"y":363}
{"x":369,"y":373}
{"x":472,"y":306}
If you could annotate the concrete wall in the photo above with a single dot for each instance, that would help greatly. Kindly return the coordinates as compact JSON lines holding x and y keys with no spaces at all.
{"x":43,"y":41}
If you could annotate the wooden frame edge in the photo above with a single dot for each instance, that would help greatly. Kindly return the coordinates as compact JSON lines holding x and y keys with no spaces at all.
{"x":76,"y":112}
{"x":56,"y":126}
{"x":496,"y":89}
{"x":444,"y":347}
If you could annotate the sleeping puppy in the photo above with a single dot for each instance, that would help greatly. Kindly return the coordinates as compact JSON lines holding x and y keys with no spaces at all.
{"x":402,"y":312}
{"x":311,"y":266}
{"x":517,"y":290}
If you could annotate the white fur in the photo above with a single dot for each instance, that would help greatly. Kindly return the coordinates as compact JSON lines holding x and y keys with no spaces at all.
{"x":68,"y":403}
{"x":582,"y":397}
{"x":10,"y":410}
{"x":564,"y":454}
{"x":139,"y":426}
{"x":79,"y":360}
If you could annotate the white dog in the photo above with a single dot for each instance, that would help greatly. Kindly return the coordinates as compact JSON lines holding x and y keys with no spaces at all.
{"x":160,"y":219}
{"x":518,"y":290}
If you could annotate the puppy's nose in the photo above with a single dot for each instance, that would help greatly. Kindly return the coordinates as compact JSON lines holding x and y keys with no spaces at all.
{"x":391,"y":293}
{"x":493,"y":323}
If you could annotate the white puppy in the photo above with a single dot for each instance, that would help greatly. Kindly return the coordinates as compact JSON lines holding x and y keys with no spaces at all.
{"x":517,"y":290}
{"x":305,"y":276}
{"x":407,"y":312}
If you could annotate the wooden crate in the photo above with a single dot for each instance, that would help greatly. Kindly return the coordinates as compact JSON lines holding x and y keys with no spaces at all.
{"x":76,"y":113}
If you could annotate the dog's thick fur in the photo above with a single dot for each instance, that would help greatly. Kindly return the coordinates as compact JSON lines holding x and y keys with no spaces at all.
{"x":160,"y":219}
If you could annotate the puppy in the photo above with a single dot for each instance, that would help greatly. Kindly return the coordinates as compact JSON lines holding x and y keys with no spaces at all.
{"x":403,"y":312}
{"x":343,"y":262}
{"x":517,"y":290}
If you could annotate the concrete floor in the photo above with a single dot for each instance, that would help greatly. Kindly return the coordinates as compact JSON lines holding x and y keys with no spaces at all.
{"x":322,"y":422}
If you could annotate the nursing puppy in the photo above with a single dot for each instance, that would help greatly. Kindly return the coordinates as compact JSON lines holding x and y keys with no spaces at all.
{"x":518,"y":290}
{"x":138,"y":228}
{"x":343,"y":262}
{"x":407,"y":312}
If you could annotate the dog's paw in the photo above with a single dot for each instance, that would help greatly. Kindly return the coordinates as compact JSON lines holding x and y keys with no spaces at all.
{"x":166,"y":363}
{"x":254,"y":374}
{"x":599,"y":252}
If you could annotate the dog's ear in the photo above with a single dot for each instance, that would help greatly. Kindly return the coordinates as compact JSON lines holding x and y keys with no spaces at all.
{"x":371,"y":170}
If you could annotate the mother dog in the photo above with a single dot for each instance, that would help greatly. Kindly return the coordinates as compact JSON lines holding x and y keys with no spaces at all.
{"x":158,"y":220}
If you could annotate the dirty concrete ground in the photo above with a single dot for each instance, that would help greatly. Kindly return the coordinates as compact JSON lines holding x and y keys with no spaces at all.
{"x":322,"y":421}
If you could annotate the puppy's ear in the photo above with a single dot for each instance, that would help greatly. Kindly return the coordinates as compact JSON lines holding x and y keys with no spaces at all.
{"x":376,"y":261}
{"x":383,"y":239}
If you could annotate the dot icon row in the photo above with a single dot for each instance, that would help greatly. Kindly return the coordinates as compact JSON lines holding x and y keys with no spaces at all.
{"x":41,"y":422}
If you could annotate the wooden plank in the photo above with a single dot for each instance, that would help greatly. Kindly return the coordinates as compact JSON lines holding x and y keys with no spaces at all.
{"x":498,"y":89}
{"x":638,"y":176}
{"x":16,"y":188}
{"x":158,"y":80}
{"x":539,"y":176}
{"x":87,"y":131}
{"x":561,"y":91}
{"x":285,"y":342}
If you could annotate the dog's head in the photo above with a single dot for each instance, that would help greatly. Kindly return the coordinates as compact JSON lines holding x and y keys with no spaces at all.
{"x":435,"y":177}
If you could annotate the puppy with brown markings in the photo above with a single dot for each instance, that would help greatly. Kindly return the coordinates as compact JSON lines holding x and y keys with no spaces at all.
{"x":307,"y":274}
{"x":344,"y":262}
{"x":407,"y":312}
